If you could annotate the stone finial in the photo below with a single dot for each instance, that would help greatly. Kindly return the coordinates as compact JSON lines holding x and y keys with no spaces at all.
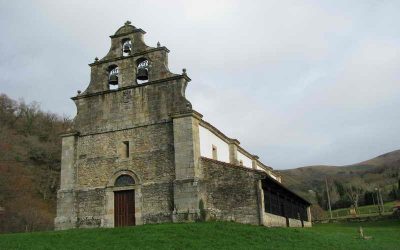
{"x":158,"y":44}
{"x":96,"y":59}
{"x":127,"y":22}
{"x":184,"y":71}
{"x":79,"y":92}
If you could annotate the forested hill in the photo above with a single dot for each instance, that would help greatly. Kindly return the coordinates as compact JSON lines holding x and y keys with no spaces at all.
{"x":30,"y":151}
{"x":382,"y":171}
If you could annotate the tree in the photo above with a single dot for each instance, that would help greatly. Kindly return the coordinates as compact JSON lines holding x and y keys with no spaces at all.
{"x":321,"y":198}
{"x":340,"y":188}
{"x":353,"y":193}
{"x":29,"y":113}
{"x":8,"y":109}
{"x":334,"y":194}
{"x":394,"y":194}
{"x":30,"y":151}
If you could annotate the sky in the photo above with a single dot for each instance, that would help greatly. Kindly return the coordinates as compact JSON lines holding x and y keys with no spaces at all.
{"x":298,"y":83}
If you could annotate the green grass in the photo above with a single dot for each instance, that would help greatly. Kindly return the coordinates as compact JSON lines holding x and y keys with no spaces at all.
{"x":212,"y":235}
{"x":363,"y":210}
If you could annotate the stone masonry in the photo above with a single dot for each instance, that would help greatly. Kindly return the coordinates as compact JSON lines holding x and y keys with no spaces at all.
{"x":148,"y":132}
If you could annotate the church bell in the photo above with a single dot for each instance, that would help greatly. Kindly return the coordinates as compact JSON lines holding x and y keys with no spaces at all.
{"x":113,"y":80}
{"x":142,"y":74}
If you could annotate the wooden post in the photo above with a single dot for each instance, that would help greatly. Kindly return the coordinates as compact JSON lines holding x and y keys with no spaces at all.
{"x":383,"y":208}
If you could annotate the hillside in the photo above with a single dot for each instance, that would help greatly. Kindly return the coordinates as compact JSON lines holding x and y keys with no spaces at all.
{"x":382,"y":171}
{"x":213,"y":235}
{"x":30,"y":152}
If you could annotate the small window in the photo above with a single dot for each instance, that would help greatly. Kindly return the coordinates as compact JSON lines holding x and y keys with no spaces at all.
{"x":214,"y":152}
{"x":124,"y":180}
{"x":126,"y":149}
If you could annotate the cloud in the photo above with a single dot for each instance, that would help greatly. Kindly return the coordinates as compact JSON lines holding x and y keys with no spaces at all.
{"x":297,"y":82}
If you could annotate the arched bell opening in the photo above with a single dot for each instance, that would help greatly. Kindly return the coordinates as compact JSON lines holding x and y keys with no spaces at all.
{"x":113,"y":77}
{"x":142,"y":73}
{"x":126,"y":47}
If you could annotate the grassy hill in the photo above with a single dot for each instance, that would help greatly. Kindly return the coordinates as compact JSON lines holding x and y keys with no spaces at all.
{"x":212,"y":235}
{"x":382,"y":171}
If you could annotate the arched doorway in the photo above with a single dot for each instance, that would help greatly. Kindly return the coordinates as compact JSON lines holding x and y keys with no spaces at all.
{"x":124,"y":202}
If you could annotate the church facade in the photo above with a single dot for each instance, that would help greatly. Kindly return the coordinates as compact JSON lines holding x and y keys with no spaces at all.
{"x":138,"y":153}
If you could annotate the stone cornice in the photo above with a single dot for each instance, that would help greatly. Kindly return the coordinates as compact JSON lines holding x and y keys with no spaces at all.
{"x":133,"y":55}
{"x":243,"y":151}
{"x":192,"y":113}
{"x":218,"y":133}
{"x":127,"y":33}
{"x":262,"y":165}
{"x":71,"y":133}
{"x":176,"y":77}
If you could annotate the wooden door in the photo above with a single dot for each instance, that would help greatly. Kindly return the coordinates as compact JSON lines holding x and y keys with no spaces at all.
{"x":124,"y":208}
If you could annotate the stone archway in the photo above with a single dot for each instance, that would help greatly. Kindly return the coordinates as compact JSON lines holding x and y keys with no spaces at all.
{"x":123,"y":200}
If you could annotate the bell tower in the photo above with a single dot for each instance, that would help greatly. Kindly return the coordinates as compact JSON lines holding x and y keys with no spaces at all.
{"x":130,"y":67}
{"x":129,"y":62}
{"x":132,"y":120}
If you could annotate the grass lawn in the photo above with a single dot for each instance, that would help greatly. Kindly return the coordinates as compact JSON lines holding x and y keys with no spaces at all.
{"x":212,"y":235}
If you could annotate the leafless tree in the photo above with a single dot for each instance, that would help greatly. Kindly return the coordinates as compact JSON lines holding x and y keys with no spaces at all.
{"x":353,"y":193}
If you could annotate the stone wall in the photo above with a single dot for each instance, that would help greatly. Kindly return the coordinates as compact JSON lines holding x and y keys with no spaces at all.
{"x":272,"y":220}
{"x":187,"y":166}
{"x":139,"y":115}
{"x":90,"y":207}
{"x":66,"y":211}
{"x":157,"y":202}
{"x":151,"y":159}
{"x":230,"y":192}
{"x":151,"y":155}
{"x":130,"y":107}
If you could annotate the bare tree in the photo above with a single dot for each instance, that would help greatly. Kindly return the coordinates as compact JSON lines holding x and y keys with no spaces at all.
{"x":353,"y":193}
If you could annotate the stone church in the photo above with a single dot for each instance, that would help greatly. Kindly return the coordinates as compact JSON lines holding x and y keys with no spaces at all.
{"x":138,"y":153}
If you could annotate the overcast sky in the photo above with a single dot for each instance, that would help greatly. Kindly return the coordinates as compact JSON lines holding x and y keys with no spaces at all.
{"x":297,"y":82}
